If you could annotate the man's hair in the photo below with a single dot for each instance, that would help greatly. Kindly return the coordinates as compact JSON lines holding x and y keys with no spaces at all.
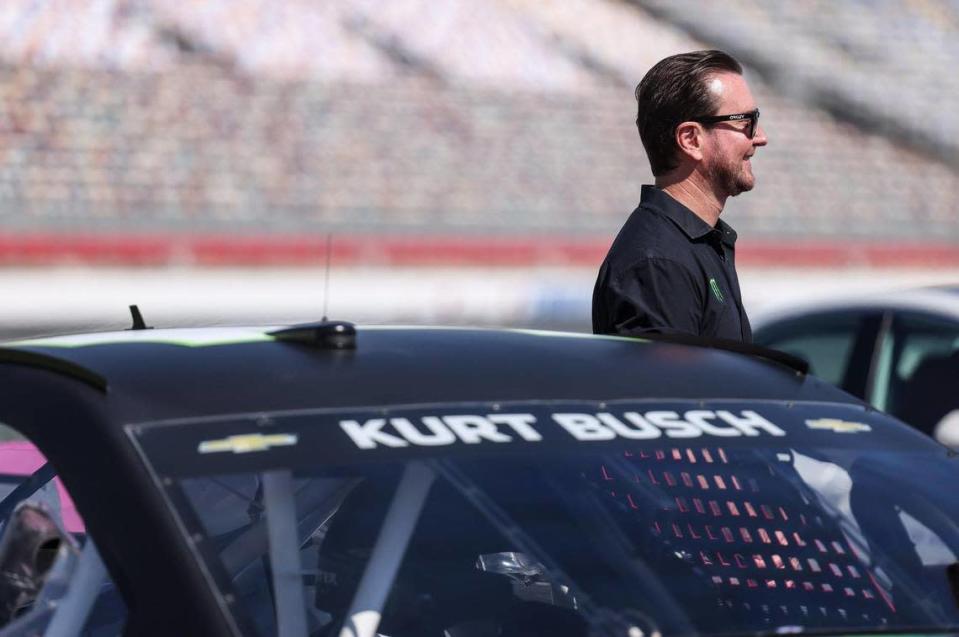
{"x":672,"y":92}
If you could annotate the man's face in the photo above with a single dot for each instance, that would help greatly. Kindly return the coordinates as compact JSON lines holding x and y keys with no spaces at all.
{"x":728,"y":146}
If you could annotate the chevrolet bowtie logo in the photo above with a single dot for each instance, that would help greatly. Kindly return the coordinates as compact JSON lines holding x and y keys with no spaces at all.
{"x":247,"y":443}
{"x":839,"y":426}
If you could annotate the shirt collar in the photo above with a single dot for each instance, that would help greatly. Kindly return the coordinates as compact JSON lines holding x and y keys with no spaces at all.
{"x":726,"y":233}
{"x":687,"y":220}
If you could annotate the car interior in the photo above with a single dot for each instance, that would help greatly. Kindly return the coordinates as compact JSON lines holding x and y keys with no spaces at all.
{"x":921,"y":400}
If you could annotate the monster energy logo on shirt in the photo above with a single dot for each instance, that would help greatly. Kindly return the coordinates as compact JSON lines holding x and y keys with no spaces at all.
{"x":716,"y":291}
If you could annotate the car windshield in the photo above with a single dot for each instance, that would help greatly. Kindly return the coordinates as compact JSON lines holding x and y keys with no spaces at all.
{"x":841,"y":529}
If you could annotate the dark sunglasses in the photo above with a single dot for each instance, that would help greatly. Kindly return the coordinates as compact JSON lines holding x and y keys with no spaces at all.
{"x":752,"y":116}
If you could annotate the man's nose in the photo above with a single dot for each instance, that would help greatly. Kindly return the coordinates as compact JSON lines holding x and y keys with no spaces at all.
{"x":760,"y":139}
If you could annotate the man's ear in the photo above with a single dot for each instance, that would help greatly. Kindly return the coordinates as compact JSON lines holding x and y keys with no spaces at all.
{"x":690,"y":138}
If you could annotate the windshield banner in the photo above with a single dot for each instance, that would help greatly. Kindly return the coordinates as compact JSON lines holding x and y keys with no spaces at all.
{"x":306,"y":438}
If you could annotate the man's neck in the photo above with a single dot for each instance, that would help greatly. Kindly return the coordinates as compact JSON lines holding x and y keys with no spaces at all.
{"x":695,"y":195}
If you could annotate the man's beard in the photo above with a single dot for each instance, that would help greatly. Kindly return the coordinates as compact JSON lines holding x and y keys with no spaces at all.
{"x":730,"y":178}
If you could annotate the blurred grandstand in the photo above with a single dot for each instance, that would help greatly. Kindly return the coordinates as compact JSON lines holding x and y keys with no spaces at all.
{"x":424,"y":131}
{"x":503,"y":116}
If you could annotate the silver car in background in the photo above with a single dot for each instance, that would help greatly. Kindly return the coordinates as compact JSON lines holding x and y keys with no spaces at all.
{"x":899,"y":351}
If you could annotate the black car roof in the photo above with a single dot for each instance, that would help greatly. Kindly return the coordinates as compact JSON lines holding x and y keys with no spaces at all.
{"x":178,"y":373}
{"x":79,"y":398}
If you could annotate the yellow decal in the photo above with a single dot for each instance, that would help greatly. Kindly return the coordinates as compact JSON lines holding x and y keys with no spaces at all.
{"x":839,"y":426}
{"x":247,"y":443}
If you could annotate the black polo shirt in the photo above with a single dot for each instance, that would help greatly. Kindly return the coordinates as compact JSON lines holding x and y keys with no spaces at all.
{"x":669,"y":271}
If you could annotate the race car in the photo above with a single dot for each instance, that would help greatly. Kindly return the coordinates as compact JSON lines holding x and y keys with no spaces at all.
{"x":335,"y":480}
{"x":898,"y":350}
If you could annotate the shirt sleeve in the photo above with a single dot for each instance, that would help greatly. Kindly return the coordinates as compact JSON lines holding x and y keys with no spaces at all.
{"x":654,"y":295}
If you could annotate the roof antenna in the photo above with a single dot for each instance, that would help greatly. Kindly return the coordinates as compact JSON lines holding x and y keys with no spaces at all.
{"x":138,"y":322}
{"x":326,"y":285}
{"x":328,"y":335}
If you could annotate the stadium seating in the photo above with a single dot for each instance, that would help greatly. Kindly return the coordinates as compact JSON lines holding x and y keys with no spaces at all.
{"x":502,"y":117}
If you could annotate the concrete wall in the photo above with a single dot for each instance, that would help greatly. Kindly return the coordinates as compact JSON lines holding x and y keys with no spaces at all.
{"x":64,"y":299}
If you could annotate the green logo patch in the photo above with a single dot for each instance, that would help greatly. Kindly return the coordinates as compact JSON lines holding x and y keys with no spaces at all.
{"x":716,"y":291}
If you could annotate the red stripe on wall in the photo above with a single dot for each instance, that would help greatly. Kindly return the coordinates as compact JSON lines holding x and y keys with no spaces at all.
{"x":44,"y":249}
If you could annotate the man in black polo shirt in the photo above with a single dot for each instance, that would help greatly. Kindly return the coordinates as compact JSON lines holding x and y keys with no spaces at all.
{"x":672,"y":267}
